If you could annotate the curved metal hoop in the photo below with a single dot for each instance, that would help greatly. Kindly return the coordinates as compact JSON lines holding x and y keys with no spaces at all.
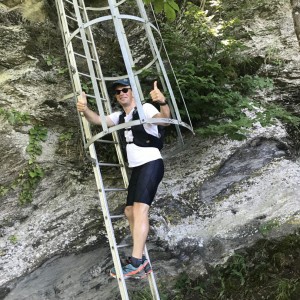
{"x":106,"y":18}
{"x":134,"y":123}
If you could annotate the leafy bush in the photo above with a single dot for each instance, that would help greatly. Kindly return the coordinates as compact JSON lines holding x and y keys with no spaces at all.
{"x":211,"y":68}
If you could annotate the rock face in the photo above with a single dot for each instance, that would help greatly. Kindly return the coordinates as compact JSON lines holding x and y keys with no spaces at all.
{"x":217,"y":195}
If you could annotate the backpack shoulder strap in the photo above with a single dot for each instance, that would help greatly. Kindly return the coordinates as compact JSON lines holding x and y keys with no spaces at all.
{"x":135,"y":114}
{"x":122,"y":117}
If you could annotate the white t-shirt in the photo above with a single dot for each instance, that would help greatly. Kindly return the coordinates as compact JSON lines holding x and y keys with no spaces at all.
{"x":139,"y":155}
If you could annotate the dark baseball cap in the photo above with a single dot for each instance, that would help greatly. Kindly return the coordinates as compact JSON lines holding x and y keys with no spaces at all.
{"x":124,"y":82}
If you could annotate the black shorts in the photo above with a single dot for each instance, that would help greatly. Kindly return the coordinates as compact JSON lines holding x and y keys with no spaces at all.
{"x":144,"y":182}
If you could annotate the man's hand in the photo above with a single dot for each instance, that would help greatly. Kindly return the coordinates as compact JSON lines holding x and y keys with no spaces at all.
{"x":156,"y":95}
{"x":82,"y":102}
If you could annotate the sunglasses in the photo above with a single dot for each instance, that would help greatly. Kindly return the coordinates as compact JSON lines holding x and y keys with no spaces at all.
{"x":123,"y":90}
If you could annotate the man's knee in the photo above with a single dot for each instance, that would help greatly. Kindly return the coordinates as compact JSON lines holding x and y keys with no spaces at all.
{"x":128,"y":211}
{"x":140,"y":209}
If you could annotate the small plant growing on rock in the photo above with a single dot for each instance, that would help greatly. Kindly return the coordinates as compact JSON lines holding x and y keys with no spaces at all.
{"x":13,"y":239}
{"x":29,"y":177}
{"x":33,"y":173}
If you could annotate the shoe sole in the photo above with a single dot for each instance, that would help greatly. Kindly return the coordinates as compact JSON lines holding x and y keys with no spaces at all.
{"x":127,"y":261}
{"x":146,"y":274}
{"x":134,"y":274}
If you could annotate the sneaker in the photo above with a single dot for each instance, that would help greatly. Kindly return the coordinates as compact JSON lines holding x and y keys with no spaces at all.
{"x":147,"y":266}
{"x":129,"y":271}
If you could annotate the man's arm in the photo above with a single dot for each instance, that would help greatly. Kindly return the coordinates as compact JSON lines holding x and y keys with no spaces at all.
{"x":90,"y":115}
{"x":158,"y":97}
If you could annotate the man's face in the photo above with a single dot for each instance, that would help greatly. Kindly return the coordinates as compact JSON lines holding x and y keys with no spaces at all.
{"x":123,"y":94}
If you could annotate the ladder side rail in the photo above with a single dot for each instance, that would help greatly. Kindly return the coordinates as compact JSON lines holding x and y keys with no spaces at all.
{"x":96,"y":168}
{"x":110,"y":232}
{"x":145,"y":20}
{"x":128,"y":61}
{"x":147,"y":27}
{"x":157,"y":52}
{"x":151,"y":279}
{"x":71,"y":61}
{"x":172,"y":69}
{"x":159,"y":70}
{"x":95,"y":57}
{"x":90,"y":64}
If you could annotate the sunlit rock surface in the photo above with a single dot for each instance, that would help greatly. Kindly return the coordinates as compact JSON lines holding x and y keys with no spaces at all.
{"x":217,"y":195}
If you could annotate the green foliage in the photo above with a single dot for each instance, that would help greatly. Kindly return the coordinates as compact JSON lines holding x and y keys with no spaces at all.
{"x":268,"y":269}
{"x":37,"y":134}
{"x":56,"y":62}
{"x":13,"y":239}
{"x":211,"y":69}
{"x":30,"y":176}
{"x":50,"y":60}
{"x":274,"y":111}
{"x":66,"y":136}
{"x":285,"y":288}
{"x":14,"y":117}
{"x":144,"y":294}
{"x":247,"y":8}
{"x":28,"y":180}
{"x":64,"y":140}
{"x":268,"y":226}
{"x":169,"y":7}
{"x":3,"y":190}
{"x":87,"y":86}
{"x":33,"y":173}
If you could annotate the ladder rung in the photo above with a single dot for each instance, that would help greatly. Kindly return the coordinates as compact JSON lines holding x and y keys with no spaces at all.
{"x":115,"y":190}
{"x":124,"y":245}
{"x":83,"y":56}
{"x":110,"y":165}
{"x":73,"y":4}
{"x":106,"y":141}
{"x":117,"y":216}
{"x":81,"y":39}
{"x":93,"y":96}
{"x":71,"y":18}
{"x":83,"y":74}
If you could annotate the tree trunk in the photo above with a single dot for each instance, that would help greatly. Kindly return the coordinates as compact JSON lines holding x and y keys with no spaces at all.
{"x":296,"y":17}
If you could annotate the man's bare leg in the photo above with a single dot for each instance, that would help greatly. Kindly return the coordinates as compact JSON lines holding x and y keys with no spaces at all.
{"x":137,"y":216}
{"x":129,"y":216}
{"x":140,"y":228}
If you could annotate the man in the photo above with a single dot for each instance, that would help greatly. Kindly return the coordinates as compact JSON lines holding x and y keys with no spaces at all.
{"x":146,"y":163}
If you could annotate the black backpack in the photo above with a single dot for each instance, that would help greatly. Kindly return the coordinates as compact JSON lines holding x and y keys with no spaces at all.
{"x":140,"y":137}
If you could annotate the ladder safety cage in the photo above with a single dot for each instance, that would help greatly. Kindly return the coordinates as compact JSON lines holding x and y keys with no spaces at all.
{"x":85,"y":31}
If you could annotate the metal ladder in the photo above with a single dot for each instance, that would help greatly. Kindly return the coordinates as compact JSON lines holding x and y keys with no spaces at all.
{"x":83,"y":59}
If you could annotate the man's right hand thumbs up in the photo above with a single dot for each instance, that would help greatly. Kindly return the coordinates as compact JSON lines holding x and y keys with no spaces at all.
{"x":82,"y":102}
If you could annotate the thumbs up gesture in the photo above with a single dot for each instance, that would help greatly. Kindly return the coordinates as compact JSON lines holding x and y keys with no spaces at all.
{"x":156,"y":95}
{"x":82,"y":102}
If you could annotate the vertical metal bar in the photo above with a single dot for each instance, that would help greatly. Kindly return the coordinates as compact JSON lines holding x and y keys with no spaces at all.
{"x":157,"y":54}
{"x":71,"y":62}
{"x":160,"y":67}
{"x":151,"y":279}
{"x":90,"y":64}
{"x":121,"y":35}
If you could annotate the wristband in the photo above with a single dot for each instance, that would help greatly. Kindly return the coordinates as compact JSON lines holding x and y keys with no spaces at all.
{"x":164,"y":103}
